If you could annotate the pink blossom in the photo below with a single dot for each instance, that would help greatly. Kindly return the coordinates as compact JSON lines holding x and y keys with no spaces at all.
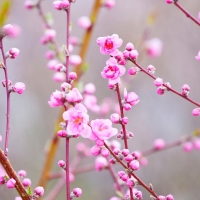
{"x":84,"y":22}
{"x":75,"y":60}
{"x":105,"y":152}
{"x":77,"y":192}
{"x":154,"y":47}
{"x":74,"y":96}
{"x":49,"y":54}
{"x":78,"y":119}
{"x":113,"y":71}
{"x":169,"y":197}
{"x":198,"y":56}
{"x":22,"y":173}
{"x":129,"y":47}
{"x":130,"y":98}
{"x":161,"y":90}
{"x":95,"y":150}
{"x":74,"y":40}
{"x":102,"y":129}
{"x":130,"y":182}
{"x":13,"y":53}
{"x":57,"y":99}
{"x":133,"y":71}
{"x":109,"y":44}
{"x":8,"y":29}
{"x":50,"y":34}
{"x":135,"y":165}
{"x":158,"y":82}
{"x":52,"y":63}
{"x":19,"y":87}
{"x":11,"y":183}
{"x":72,"y":76}
{"x":100,"y":163}
{"x":196,"y":144}
{"x":115,"y":118}
{"x":133,"y":54}
{"x":151,"y":69}
{"x":39,"y":191}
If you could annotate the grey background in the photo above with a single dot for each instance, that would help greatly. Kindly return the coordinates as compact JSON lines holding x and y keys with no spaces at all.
{"x":168,"y":117}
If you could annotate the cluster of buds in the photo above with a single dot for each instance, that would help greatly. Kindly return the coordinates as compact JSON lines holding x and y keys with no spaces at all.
{"x":130,"y":182}
{"x":25,"y":181}
{"x":168,"y":197}
{"x":120,"y":135}
{"x":161,"y":87}
{"x":100,"y":149}
{"x":116,"y":119}
{"x":10,"y":183}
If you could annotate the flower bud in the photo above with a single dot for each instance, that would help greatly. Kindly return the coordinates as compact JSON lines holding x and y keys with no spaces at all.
{"x":26,"y":182}
{"x":39,"y":191}
{"x":129,"y":47}
{"x":13,"y":53}
{"x":22,"y":173}
{"x":95,"y":150}
{"x":133,"y":54}
{"x":84,"y":22}
{"x":11,"y":183}
{"x":159,"y":144}
{"x":135,"y":165}
{"x":158,"y":82}
{"x":77,"y":192}
{"x":115,"y":118}
{"x":19,"y":87}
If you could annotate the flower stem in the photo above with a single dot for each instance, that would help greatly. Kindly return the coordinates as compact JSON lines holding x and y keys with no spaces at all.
{"x":7,"y":99}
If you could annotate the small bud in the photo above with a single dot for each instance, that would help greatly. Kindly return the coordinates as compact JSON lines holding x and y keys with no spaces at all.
{"x":125,"y":152}
{"x":158,"y":82}
{"x":169,"y":197}
{"x":100,"y":163}
{"x":105,"y":152}
{"x":185,"y":90}
{"x":159,"y":144}
{"x":11,"y":183}
{"x":62,"y":133}
{"x":89,"y":88}
{"x":77,"y":192}
{"x":19,"y":87}
{"x":109,"y":4}
{"x":133,"y":54}
{"x":29,"y":4}
{"x":196,"y":112}
{"x":133,"y":71}
{"x":115,"y":118}
{"x":130,"y":183}
{"x":151,"y":69}
{"x":13,"y":53}
{"x":62,"y":164}
{"x":39,"y":191}
{"x":95,"y":150}
{"x":125,"y":120}
{"x":84,"y":22}
{"x":72,"y":76}
{"x":8,"y":29}
{"x":135,"y":165}
{"x":26,"y":182}
{"x":129,"y":47}
{"x":75,"y":60}
{"x":169,"y":1}
{"x":187,"y":146}
{"x":22,"y":173}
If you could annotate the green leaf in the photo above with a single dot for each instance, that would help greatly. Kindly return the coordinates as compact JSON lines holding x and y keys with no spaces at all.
{"x":29,"y":191}
{"x":84,"y":67}
{"x":49,"y":18}
{"x":5,"y":6}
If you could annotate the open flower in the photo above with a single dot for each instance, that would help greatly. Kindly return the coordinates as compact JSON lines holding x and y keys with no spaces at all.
{"x":102,"y":129}
{"x":109,"y":44}
{"x":113,"y":71}
{"x":78,"y":119}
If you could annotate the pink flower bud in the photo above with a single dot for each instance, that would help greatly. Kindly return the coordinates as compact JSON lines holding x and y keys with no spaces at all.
{"x":65,"y":4}
{"x":133,"y":54}
{"x":131,"y":98}
{"x":125,"y":152}
{"x":125,"y":120}
{"x":72,"y":76}
{"x":116,"y":151}
{"x":74,"y":96}
{"x":169,"y":197}
{"x":65,"y":87}
{"x":161,"y":197}
{"x":187,"y":146}
{"x":22,"y":173}
{"x":19,"y":87}
{"x":154,"y":47}
{"x":75,"y":60}
{"x":51,"y":64}
{"x":100,"y":163}
{"x":39,"y":191}
{"x":99,"y":142}
{"x":26,"y":182}
{"x":115,"y":198}
{"x":95,"y":150}
{"x":185,"y":90}
{"x":57,"y":5}
{"x":160,"y":90}
{"x":74,"y":40}
{"x":196,"y":144}
{"x":59,"y":77}
{"x":133,"y":71}
{"x":126,"y":54}
{"x":151,"y":69}
{"x":136,"y":155}
{"x":127,"y":106}
{"x":59,"y":67}
{"x":115,"y":118}
{"x":105,"y":152}
{"x":115,"y":144}
{"x":112,"y":161}
{"x":62,"y":133}
{"x":2,"y":180}
{"x":49,"y":54}
{"x":130,"y":183}
{"x":143,"y":161}
{"x":10,"y":183}
{"x":4,"y":83}
{"x":198,"y":55}
{"x":159,"y":144}
{"x":158,"y":82}
{"x":124,"y":177}
{"x":77,"y":192}
{"x":196,"y":112}
{"x":129,"y":47}
{"x":138,"y":195}
{"x":0,"y":138}
{"x":135,"y":165}
{"x":109,"y":4}
{"x":18,"y":198}
{"x":169,"y":1}
{"x":29,"y":4}
{"x":62,"y":163}
{"x":89,"y":88}
{"x":84,"y":22}
{"x":121,"y":173}
{"x":50,"y":34}
{"x":128,"y":158}
{"x":13,"y":53}
{"x":8,"y":29}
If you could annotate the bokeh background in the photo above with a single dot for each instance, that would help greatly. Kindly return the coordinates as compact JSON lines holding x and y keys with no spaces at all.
{"x":168,"y":116}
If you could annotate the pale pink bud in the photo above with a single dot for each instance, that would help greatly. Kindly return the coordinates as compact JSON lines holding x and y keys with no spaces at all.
{"x":74,"y":96}
{"x":130,"y":183}
{"x":11,"y":183}
{"x":62,"y":163}
{"x":169,"y":1}
{"x":159,"y":144}
{"x":26,"y":182}
{"x":121,"y":173}
{"x":72,"y":76}
{"x":19,"y":87}
{"x":84,"y":22}
{"x":4,"y":83}
{"x":133,"y":54}
{"x":2,"y":180}
{"x":65,"y":4}
{"x":143,"y":161}
{"x":187,"y":146}
{"x":8,"y":29}
{"x":95,"y":150}
{"x":99,"y":142}
{"x":128,"y":158}
{"x":59,"y":67}
{"x":185,"y":89}
{"x":115,"y":144}
{"x":59,"y":77}
{"x":161,"y":197}
{"x":39,"y":191}
{"x":105,"y":152}
{"x":18,"y":198}
{"x":115,"y":118}
{"x":169,"y":197}
{"x":125,"y":120}
{"x":154,"y":47}
{"x":136,"y":155}
{"x":135,"y":165}
{"x":151,"y":69}
{"x":127,"y":106}
{"x":129,"y":47}
{"x":138,"y":194}
{"x":122,"y":62}
{"x":196,"y":112}
{"x":62,"y":133}
{"x":77,"y":192}
{"x":50,"y":34}
{"x":89,"y":88}
{"x":29,"y":4}
{"x":131,"y":98}
{"x":158,"y":82}
{"x":109,"y":4}
{"x":100,"y":163}
{"x":75,"y":60}
{"x":126,"y":54}
{"x":112,"y":161}
{"x":115,"y":198}
{"x":116,"y":151}
{"x":125,"y":152}
{"x":49,"y":54}
{"x":51,"y":64}
{"x":13,"y":53}
{"x":57,"y":5}
{"x":124,"y":177}
{"x":65,"y":87}
{"x":133,"y":71}
{"x":22,"y":173}
{"x":196,"y":144}
{"x":73,"y":40}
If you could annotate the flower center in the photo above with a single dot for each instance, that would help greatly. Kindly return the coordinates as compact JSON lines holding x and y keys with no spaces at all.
{"x":109,"y":44}
{"x":78,"y":120}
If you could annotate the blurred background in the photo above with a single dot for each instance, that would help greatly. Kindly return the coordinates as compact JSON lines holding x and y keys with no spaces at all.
{"x":168,"y":116}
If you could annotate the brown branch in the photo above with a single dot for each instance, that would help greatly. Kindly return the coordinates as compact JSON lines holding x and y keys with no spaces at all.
{"x":12,"y":174}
